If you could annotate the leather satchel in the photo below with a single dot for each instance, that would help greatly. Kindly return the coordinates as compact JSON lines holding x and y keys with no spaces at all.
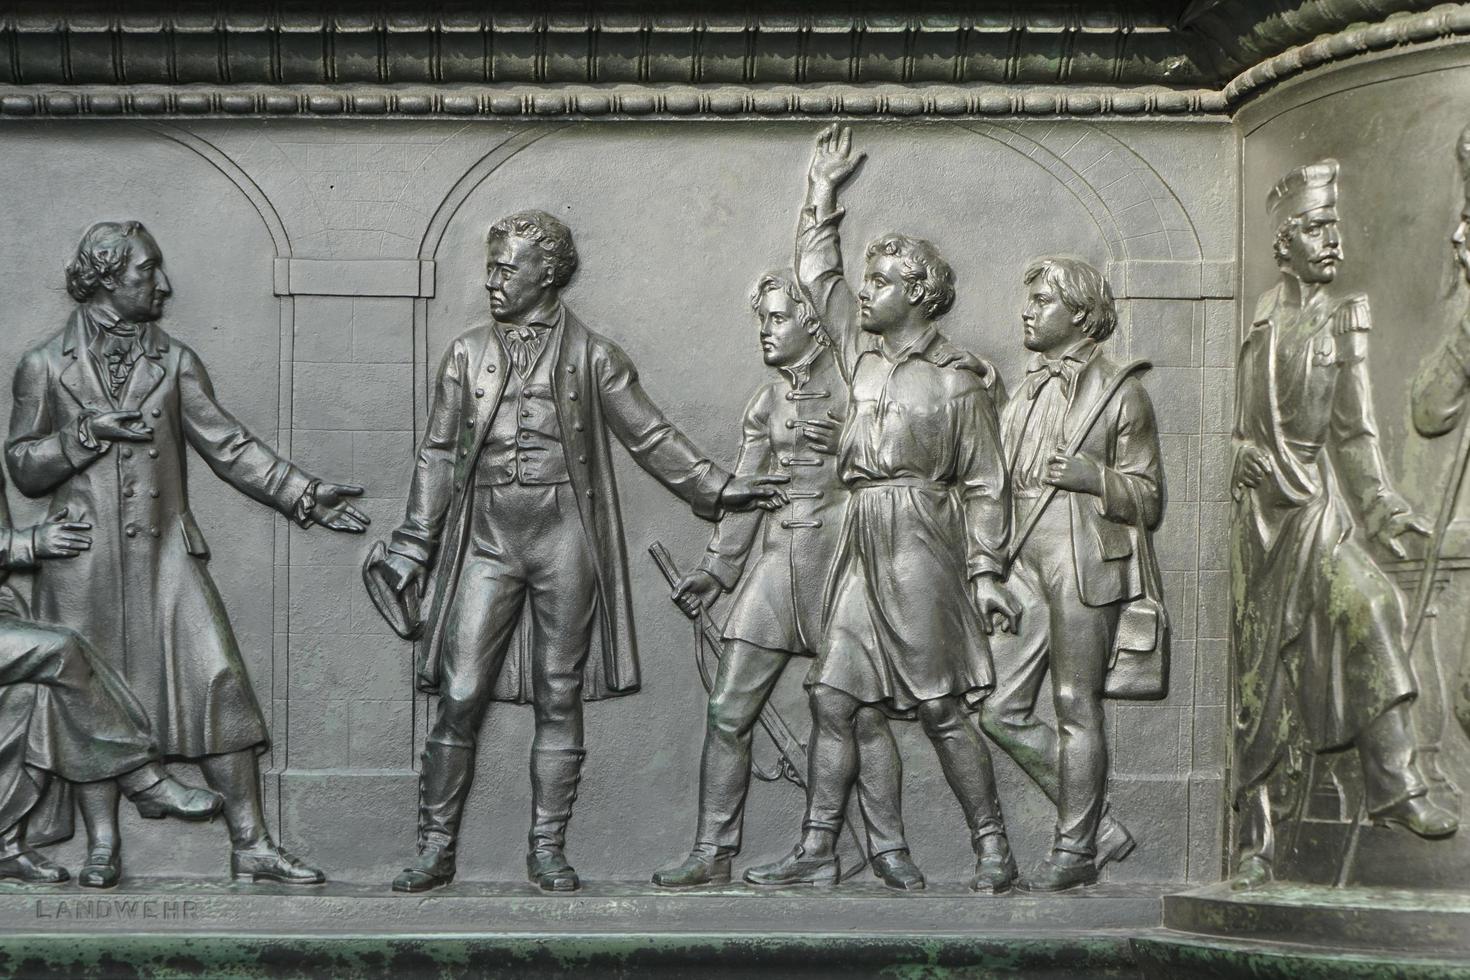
{"x":1138,"y":667}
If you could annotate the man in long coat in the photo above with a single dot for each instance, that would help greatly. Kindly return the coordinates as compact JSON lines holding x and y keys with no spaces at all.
{"x":513,"y":503}
{"x":102,"y":414}
{"x":66,"y":717}
{"x":1318,"y":626}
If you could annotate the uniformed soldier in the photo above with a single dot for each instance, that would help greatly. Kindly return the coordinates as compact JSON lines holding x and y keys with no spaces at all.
{"x":1318,"y":627}
{"x":791,"y":427}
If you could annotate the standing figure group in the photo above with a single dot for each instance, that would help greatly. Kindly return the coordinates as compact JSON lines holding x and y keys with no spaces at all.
{"x":932,"y":548}
{"x":926,"y":468}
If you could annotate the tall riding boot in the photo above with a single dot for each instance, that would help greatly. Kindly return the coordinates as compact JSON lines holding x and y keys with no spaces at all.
{"x":554,"y":777}
{"x":444,"y":782}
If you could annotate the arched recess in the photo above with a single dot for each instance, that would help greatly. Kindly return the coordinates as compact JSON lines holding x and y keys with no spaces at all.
{"x":1138,"y":214}
{"x":281,"y":243}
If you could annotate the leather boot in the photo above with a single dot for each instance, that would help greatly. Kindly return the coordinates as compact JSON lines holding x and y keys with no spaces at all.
{"x":444,"y":782}
{"x":897,"y":870}
{"x":1418,"y":815}
{"x":554,"y":777}
{"x":707,"y":864}
{"x":21,"y":863}
{"x":995,"y":867}
{"x":1061,"y":871}
{"x":1113,"y":842}
{"x":157,"y":794}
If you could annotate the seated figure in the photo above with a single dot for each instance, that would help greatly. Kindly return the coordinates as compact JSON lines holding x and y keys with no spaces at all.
{"x":65,"y":718}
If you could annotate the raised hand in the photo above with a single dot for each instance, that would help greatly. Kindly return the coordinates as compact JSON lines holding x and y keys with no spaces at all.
{"x":833,"y":161}
{"x":61,"y":538}
{"x":333,"y":511}
{"x":120,"y":426}
{"x":749,"y":492}
{"x":696,"y":591}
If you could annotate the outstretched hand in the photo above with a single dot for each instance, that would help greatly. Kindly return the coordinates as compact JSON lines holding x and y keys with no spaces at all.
{"x":749,"y":492}
{"x":1399,"y":525}
{"x":333,"y":511}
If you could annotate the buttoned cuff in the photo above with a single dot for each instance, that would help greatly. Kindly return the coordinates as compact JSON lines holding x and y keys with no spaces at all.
{"x":301,"y":512}
{"x":410,"y":547}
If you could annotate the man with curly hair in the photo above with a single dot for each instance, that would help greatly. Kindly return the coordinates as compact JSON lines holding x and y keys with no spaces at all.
{"x":916,"y":585}
{"x":513,"y":511}
{"x":790,"y":427}
{"x":103,"y":414}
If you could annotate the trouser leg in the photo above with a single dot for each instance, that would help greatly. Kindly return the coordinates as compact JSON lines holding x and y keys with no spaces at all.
{"x":98,"y":803}
{"x":1081,"y":638}
{"x":742,"y":687}
{"x":879,"y":781}
{"x":479,"y":627}
{"x":562,"y":592}
{"x":965,"y":759}
{"x":1388,"y":755}
{"x":236,"y":777}
{"x":832,"y":760}
{"x":1009,"y":715}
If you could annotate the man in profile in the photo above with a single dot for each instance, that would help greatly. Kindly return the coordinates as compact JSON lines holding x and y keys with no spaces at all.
{"x":513,"y":510}
{"x":1087,"y":557}
{"x":915,"y":585}
{"x":1319,"y":649}
{"x":791,"y":427}
{"x":103,"y":414}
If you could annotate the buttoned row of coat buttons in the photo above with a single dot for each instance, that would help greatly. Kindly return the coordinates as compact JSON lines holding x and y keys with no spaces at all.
{"x":132,"y":531}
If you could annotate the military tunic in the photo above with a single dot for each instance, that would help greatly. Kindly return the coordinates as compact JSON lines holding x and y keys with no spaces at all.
{"x":1318,"y":625}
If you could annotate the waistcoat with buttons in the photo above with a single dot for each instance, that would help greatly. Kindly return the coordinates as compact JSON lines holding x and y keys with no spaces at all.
{"x":523,"y":444}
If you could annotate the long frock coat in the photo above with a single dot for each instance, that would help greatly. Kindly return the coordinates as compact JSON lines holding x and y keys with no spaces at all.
{"x":596,"y":391}
{"x":143,"y":594}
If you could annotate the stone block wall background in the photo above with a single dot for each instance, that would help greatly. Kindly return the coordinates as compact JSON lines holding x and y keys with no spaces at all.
{"x":321,"y":267}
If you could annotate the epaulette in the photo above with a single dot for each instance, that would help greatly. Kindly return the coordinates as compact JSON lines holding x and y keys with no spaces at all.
{"x":1352,"y":316}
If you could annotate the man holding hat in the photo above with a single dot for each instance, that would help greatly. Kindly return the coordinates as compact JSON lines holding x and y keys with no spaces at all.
{"x":1320,"y":659}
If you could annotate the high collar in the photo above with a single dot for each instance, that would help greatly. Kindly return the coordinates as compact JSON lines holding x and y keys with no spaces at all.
{"x":551,"y":322}
{"x":1067,"y":366}
{"x":798,"y":374}
{"x":88,"y":323}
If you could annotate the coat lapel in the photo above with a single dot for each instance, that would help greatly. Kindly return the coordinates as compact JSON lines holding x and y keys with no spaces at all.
{"x":79,"y":376}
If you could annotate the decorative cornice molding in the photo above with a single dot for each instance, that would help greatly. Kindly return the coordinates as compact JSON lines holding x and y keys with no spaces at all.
{"x":1445,"y":21}
{"x":1127,"y":58}
{"x":86,"y":42}
{"x":642,"y":101}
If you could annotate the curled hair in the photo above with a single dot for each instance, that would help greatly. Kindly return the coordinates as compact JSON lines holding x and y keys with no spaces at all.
{"x":103,"y":251}
{"x":554,"y":238}
{"x":1082,"y":289}
{"x":928,"y":280}
{"x":1285,"y":231}
{"x":783,"y":282}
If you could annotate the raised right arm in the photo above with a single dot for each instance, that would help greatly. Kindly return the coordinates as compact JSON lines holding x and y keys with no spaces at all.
{"x":818,"y":260}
